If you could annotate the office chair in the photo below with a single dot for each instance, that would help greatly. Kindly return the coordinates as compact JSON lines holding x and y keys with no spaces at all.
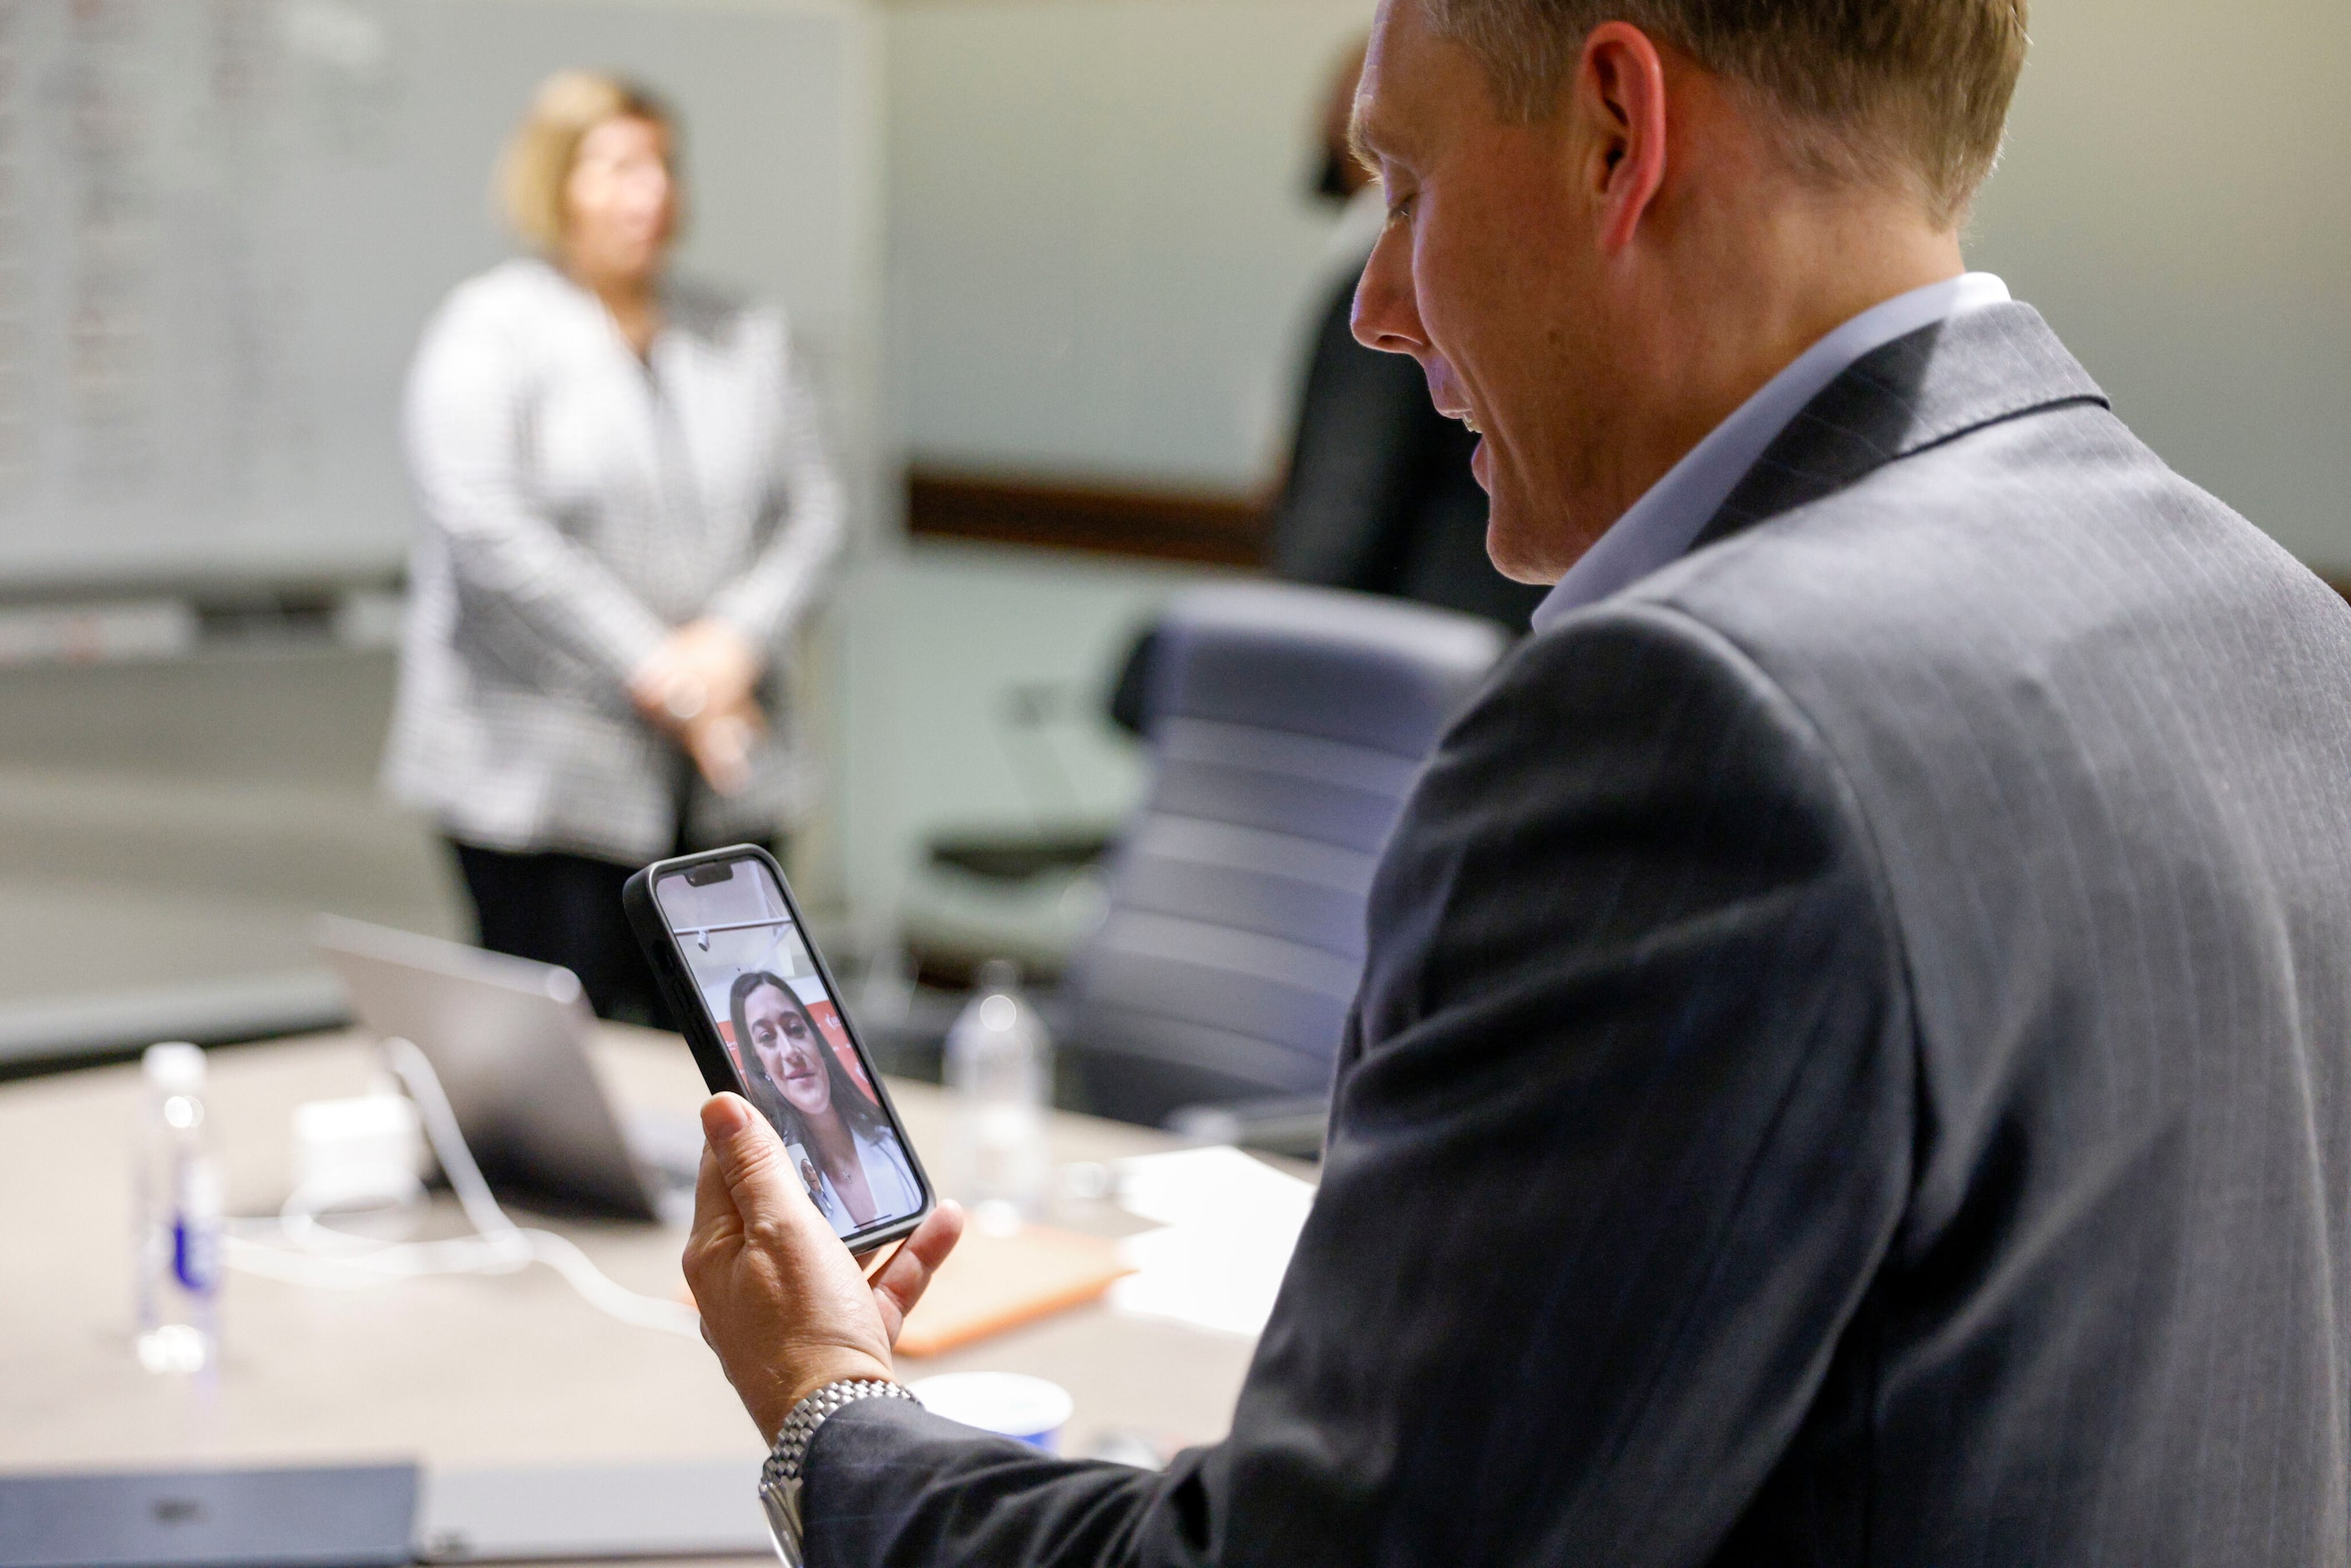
{"x":1287,"y":723}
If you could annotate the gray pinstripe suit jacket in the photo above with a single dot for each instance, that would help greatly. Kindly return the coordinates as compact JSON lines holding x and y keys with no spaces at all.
{"x":1851,"y":1067}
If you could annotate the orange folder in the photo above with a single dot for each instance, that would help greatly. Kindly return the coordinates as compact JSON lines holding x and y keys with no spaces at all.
{"x":991,"y":1284}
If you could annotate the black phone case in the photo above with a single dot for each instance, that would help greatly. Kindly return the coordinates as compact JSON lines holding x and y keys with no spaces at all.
{"x":685,"y":998}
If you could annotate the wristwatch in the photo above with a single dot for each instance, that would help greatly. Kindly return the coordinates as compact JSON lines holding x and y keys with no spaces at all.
{"x":779,"y":1477}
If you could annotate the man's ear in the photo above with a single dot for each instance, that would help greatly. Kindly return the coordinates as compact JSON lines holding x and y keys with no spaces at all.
{"x":1619,"y":94}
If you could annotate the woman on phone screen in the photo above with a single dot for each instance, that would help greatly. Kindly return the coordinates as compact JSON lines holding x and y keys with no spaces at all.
{"x":862,"y":1174}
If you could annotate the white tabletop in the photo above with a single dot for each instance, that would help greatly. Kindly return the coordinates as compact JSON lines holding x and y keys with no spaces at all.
{"x":504,"y":1370}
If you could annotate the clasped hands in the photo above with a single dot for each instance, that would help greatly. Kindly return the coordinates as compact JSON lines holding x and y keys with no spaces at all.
{"x":697,"y":687}
{"x":782,"y":1301}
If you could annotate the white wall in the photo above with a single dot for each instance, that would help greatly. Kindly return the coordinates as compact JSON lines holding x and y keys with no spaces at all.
{"x":2176,"y":199}
{"x":1098,"y":229}
{"x":1097,"y":243}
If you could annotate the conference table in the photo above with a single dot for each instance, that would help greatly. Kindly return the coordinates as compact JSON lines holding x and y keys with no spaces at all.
{"x":457,"y":1370}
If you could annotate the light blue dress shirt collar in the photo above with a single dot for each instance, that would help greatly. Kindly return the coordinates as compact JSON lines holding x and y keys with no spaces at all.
{"x":1661,"y":525}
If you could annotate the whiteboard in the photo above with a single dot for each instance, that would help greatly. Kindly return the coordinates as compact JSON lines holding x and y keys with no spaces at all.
{"x":224,"y":223}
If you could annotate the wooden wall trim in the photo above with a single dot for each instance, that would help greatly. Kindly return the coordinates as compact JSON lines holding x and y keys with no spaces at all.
{"x":1209,"y":527}
{"x":1159,"y":525}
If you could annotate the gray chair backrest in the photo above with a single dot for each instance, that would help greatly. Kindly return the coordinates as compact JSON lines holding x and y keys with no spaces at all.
{"x":1287,"y":725}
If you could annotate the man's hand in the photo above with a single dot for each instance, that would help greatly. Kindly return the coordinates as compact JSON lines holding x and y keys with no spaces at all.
{"x":783,"y":1303}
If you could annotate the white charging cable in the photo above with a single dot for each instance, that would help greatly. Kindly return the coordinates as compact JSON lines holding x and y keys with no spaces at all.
{"x":311,"y":1253}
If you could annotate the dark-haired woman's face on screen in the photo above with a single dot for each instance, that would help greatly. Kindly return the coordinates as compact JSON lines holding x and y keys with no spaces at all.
{"x":787,"y":1047}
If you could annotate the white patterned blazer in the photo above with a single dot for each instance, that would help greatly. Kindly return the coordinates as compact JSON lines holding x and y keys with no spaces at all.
{"x":578,"y":503}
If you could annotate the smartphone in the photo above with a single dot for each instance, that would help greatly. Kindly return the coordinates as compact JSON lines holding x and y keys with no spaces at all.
{"x":765,"y":1021}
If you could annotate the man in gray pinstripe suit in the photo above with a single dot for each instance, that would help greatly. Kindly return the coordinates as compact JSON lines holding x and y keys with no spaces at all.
{"x":1852,"y":1065}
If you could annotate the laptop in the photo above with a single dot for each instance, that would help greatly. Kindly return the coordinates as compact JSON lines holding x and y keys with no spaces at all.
{"x":577,"y":1513}
{"x":381,"y":1516}
{"x":508,"y":1040}
{"x":359,"y":1516}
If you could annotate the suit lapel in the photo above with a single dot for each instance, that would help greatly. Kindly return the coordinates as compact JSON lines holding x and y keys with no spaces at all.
{"x":1917,"y":392}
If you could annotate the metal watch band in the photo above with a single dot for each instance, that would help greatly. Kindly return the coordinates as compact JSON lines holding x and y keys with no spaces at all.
{"x":779,"y":1477}
{"x":792,"y":1442}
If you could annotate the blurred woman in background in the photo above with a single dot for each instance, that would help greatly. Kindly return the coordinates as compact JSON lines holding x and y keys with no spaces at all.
{"x":628,"y":513}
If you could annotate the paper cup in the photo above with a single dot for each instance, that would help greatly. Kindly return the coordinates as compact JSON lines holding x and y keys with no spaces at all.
{"x":1007,"y":1403}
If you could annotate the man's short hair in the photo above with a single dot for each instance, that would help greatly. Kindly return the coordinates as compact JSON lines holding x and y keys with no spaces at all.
{"x":1883,"y":92}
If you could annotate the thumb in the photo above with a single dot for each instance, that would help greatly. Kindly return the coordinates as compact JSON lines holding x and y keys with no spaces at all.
{"x":749,"y":1154}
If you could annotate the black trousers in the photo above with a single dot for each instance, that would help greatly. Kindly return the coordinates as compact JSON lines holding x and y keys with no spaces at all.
{"x":554,"y":907}
{"x":565,"y":909}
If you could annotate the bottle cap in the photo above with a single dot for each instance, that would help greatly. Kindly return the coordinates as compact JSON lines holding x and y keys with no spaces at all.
{"x":174,"y":1067}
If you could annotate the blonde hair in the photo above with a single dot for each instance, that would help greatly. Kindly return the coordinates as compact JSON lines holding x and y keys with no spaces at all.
{"x":536,"y":163}
{"x":1880,"y":91}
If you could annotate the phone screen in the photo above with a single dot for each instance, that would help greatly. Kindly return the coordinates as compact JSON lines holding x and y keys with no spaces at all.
{"x":761,"y":988}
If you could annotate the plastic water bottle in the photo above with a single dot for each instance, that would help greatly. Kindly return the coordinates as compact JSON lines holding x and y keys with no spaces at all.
{"x":1000,"y":1067}
{"x":178,"y":1266}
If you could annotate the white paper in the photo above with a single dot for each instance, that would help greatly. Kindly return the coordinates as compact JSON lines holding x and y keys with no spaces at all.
{"x":1229,"y":1224}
